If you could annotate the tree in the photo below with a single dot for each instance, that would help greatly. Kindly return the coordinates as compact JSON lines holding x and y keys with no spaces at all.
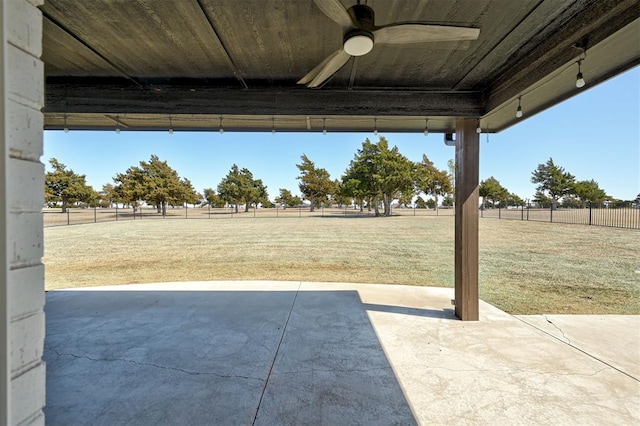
{"x":544,"y":201}
{"x":514,"y":200}
{"x":380,"y":172}
{"x":129,"y":188}
{"x":589,"y":191}
{"x":234,"y":187}
{"x":491,"y":189}
{"x":286,"y":199}
{"x":211,"y":198}
{"x":315,"y":183}
{"x":552,"y":181}
{"x":239,"y":187}
{"x":352,"y":188}
{"x":451,"y":165}
{"x":258,"y":193}
{"x":571,"y":201}
{"x":431,"y":180}
{"x":190,"y":196}
{"x":65,"y":186}
{"x":162,"y":185}
{"x":154,"y":182}
{"x":109,"y":195}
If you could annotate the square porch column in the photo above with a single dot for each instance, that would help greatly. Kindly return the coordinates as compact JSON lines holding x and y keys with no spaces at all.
{"x":22,"y":371}
{"x":466,"y":209}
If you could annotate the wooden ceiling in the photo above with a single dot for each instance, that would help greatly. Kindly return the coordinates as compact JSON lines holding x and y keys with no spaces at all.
{"x":197,"y":64}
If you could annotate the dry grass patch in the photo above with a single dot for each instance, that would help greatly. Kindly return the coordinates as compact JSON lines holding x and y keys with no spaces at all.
{"x":525,"y":267}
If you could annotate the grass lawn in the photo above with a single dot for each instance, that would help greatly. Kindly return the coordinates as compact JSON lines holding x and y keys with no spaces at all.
{"x":525,"y":267}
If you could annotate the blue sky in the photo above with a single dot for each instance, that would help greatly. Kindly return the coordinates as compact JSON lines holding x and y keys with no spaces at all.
{"x":595,"y":135}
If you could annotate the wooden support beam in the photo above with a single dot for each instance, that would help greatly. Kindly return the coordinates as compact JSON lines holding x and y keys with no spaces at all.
{"x":466,"y":206}
{"x":91,"y":97}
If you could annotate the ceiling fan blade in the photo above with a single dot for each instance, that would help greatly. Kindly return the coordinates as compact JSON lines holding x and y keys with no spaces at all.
{"x":334,"y":10}
{"x":331,"y":66}
{"x":314,"y":72}
{"x":421,"y":33}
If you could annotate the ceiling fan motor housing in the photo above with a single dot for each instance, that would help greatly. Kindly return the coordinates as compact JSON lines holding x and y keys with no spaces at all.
{"x":363,"y":15}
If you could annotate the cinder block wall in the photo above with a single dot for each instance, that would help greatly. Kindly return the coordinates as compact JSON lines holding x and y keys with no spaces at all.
{"x":24,"y":97}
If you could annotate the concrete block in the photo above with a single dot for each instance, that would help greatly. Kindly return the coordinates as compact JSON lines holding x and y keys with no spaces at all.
{"x":25,"y":26}
{"x":25,"y":238}
{"x":28,"y":394}
{"x":27,"y":343}
{"x":26,"y":287}
{"x":25,"y":77}
{"x":27,"y":186}
{"x":24,"y":127}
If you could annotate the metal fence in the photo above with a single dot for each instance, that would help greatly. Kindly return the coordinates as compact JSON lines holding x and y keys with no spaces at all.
{"x":76,"y":216}
{"x":621,"y":216}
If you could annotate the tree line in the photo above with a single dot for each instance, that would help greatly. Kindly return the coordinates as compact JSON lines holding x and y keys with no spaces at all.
{"x":377,"y":176}
{"x":555,"y":186}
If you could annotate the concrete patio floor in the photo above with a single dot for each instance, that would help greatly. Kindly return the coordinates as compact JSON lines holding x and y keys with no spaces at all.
{"x":290,"y":353}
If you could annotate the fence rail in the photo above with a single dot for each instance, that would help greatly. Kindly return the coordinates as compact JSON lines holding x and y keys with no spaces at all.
{"x":76,"y":216}
{"x":596,"y":215}
{"x":627,"y":216}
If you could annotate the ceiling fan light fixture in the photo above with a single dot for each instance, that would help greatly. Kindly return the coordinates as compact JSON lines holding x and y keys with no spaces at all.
{"x":358,"y":42}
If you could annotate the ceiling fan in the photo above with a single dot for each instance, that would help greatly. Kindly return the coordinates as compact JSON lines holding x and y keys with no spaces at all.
{"x":360,"y":34}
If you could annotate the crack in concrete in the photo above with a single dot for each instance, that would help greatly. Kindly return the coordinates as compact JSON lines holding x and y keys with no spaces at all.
{"x":275,"y":356}
{"x":331,"y":370}
{"x":163,"y":367}
{"x":557,"y":328}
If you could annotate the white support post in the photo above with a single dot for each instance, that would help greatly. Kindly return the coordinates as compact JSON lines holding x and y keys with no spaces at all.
{"x":22,"y":371}
{"x":5,"y":321}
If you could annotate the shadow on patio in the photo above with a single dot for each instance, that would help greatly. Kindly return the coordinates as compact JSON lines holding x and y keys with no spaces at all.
{"x":308,"y":353}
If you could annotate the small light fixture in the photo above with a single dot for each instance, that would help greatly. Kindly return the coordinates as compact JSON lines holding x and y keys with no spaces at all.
{"x":117,"y":124}
{"x":519,"y":110}
{"x":273,"y":125}
{"x":358,"y":42}
{"x":324,"y":126}
{"x":478,"y":129}
{"x":221,"y":128}
{"x":170,"y":127}
{"x":426,"y":127}
{"x":65,"y":128}
{"x":375,"y":126}
{"x":579,"y":77}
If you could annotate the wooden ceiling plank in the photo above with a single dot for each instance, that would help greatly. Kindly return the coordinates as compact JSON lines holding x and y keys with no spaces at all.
{"x":87,"y":46}
{"x":232,"y":64}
